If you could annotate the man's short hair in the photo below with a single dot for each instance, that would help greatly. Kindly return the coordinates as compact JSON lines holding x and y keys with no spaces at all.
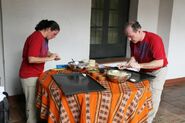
{"x":134,"y":24}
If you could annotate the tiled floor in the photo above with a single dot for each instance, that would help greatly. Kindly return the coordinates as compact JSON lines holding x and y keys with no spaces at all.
{"x":17,"y":108}
{"x":172,"y":106}
{"x":171,"y":110}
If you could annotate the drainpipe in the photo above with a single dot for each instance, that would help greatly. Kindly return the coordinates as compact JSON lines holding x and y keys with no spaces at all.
{"x":3,"y":57}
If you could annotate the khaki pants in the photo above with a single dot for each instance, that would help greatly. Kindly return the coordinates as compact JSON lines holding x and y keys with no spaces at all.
{"x":157,"y":88}
{"x":29,"y":89}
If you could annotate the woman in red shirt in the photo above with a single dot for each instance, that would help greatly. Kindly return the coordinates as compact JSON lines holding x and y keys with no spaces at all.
{"x":35,"y":54}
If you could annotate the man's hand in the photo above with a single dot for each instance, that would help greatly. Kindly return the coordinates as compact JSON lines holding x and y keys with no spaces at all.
{"x":132,"y":60}
{"x":132,"y":63}
{"x":135,"y":65}
{"x":123,"y":65}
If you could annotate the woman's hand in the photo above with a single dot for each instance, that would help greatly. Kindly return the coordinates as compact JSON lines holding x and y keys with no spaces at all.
{"x":57,"y":57}
{"x":54,"y":56}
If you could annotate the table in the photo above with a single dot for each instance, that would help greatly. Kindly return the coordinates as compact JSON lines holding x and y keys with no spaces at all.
{"x":120,"y":103}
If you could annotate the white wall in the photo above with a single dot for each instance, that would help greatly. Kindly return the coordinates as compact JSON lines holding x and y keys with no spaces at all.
{"x":148,"y":14}
{"x":176,"y":48}
{"x":164,"y":21}
{"x":19,"y":20}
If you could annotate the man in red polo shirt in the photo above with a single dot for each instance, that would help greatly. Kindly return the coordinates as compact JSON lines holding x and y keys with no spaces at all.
{"x":148,"y":55}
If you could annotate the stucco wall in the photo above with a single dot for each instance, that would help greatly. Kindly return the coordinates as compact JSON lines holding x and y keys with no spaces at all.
{"x":19,"y":20}
{"x":176,"y":48}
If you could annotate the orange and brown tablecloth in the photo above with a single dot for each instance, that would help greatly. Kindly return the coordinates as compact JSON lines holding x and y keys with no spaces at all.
{"x":120,"y":103}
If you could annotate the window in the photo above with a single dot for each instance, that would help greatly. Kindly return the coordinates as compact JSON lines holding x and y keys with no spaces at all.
{"x":107,"y":19}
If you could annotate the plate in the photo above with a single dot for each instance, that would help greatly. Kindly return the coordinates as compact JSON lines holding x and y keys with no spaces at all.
{"x":138,"y":76}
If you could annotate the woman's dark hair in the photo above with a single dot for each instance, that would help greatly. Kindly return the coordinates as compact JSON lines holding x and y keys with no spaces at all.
{"x":44,"y":24}
{"x":134,"y":24}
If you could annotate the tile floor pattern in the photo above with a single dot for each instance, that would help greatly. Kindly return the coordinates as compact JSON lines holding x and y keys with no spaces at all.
{"x":172,"y":106}
{"x":171,"y":110}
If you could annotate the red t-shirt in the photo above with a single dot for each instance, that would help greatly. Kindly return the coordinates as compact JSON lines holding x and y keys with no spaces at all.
{"x":151,"y":48}
{"x":37,"y":46}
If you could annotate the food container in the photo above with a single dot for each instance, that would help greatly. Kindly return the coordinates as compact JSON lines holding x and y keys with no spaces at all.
{"x":92,"y":63}
{"x":118,"y":76}
{"x":61,"y":66}
{"x":74,"y":65}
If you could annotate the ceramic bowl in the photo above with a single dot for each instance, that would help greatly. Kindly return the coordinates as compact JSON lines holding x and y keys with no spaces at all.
{"x":118,"y":76}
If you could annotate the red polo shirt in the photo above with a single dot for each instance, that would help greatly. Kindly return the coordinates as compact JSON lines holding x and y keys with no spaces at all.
{"x":151,"y":48}
{"x":37,"y":46}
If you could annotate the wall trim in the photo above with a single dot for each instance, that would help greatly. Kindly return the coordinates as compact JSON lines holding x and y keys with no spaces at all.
{"x":176,"y":81}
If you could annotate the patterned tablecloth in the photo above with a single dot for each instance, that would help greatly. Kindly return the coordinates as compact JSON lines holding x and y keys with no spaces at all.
{"x":120,"y":103}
